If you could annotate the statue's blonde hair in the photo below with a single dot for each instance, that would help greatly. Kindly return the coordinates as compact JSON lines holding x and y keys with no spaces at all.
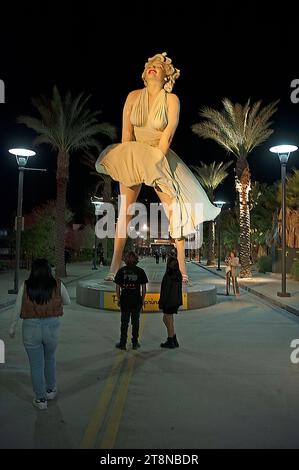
{"x":171,"y":72}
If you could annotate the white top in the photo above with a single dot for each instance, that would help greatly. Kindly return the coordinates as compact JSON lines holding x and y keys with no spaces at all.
{"x":18,"y":306}
{"x":234,"y":261}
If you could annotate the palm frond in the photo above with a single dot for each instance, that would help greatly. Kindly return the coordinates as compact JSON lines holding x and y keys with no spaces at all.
{"x":237,"y":128}
{"x":66,"y":123}
{"x":211,"y":176}
{"x":210,"y":130}
{"x":88,"y":159}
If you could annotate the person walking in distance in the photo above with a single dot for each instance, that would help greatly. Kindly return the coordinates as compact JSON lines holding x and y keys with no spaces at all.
{"x":235,"y":270}
{"x":232,"y":272}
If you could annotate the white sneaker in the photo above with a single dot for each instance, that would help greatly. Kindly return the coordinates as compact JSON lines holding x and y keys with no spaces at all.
{"x":40,"y":404}
{"x":51,"y":394}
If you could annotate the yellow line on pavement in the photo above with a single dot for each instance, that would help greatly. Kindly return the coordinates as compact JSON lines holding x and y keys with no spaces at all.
{"x":113,"y":424}
{"x":118,"y":406}
{"x":95,"y":423}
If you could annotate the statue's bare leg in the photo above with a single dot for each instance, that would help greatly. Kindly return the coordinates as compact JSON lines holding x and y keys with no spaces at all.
{"x":180,"y":242}
{"x":128,"y":196}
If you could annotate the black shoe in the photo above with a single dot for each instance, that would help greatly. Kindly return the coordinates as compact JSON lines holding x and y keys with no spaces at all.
{"x":175,"y":342}
{"x":135,"y":345}
{"x":168,"y":344}
{"x":121,"y":346}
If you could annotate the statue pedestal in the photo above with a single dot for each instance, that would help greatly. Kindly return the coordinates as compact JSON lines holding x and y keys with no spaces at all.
{"x":101,"y":294}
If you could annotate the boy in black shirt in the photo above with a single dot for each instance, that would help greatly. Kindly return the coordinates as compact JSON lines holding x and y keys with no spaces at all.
{"x":128,"y":281}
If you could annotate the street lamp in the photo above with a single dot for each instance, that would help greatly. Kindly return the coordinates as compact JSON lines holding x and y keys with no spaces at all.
{"x":97,"y":202}
{"x":22,"y":156}
{"x":283,"y":151}
{"x":219,"y":204}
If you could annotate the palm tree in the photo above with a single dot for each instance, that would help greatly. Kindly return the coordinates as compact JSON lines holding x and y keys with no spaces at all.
{"x":239,"y":129}
{"x":68,"y":126}
{"x":211,"y":176}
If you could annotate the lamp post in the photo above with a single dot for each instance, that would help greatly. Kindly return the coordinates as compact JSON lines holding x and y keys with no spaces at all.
{"x":144,"y":238}
{"x":283,"y":151}
{"x":138,"y":238}
{"x":22,"y":156}
{"x":190,"y":249}
{"x":97,"y":202}
{"x":197,"y":248}
{"x":219,"y":204}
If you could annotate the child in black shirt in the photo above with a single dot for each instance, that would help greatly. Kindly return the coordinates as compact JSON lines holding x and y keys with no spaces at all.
{"x":128,"y":281}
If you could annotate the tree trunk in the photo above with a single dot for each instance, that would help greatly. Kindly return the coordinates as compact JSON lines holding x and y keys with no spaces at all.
{"x":243,"y":188}
{"x":211,"y":243}
{"x":62,"y":181}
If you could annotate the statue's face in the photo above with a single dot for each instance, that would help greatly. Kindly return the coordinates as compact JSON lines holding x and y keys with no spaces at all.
{"x":156,"y":71}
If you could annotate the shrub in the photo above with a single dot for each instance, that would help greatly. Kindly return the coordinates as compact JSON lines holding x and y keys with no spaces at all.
{"x":264,"y":264}
{"x":86,"y":254}
{"x":295,"y":270}
{"x":4,"y":265}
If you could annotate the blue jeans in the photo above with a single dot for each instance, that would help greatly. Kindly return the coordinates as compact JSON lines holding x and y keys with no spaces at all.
{"x":40,"y":338}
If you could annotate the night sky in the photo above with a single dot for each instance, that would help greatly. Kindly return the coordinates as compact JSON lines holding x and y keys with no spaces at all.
{"x":237,"y":50}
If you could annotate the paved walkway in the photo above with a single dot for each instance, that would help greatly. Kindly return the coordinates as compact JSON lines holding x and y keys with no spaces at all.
{"x":231,"y":383}
{"x":266,"y":286}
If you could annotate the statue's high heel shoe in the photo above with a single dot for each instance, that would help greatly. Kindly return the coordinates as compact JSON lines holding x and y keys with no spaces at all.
{"x":109,"y":277}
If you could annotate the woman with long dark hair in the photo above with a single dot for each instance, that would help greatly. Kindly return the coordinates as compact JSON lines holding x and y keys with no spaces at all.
{"x":171,"y":298}
{"x":40,"y":303}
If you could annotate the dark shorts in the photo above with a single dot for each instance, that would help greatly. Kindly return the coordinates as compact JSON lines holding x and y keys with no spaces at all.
{"x":170,"y":311}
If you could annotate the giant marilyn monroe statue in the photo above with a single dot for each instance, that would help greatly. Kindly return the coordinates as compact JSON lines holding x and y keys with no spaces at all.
{"x":150,"y":119}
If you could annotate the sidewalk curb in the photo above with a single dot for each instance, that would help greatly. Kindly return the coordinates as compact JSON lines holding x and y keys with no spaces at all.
{"x":10,"y":303}
{"x":270,"y":300}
